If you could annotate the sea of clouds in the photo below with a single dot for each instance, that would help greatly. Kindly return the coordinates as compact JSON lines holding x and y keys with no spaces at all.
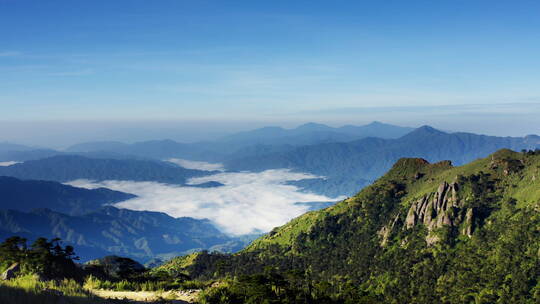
{"x":247,"y":203}
{"x":8,"y":163}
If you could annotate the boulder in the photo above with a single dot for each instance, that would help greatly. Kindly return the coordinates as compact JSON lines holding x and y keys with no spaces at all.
{"x":11,"y":272}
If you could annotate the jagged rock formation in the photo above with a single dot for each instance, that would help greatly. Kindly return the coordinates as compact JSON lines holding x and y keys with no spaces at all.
{"x":434,"y":210}
{"x":439,"y":209}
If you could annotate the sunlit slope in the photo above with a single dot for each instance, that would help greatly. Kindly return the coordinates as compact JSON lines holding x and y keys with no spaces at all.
{"x":516,"y":176}
{"x":422,"y":233}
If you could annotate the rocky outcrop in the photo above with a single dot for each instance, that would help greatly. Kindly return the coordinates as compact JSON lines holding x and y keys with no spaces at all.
{"x":435,"y":210}
{"x":385,"y":231}
{"x":11,"y":272}
{"x":439,"y":209}
{"x":508,"y":165}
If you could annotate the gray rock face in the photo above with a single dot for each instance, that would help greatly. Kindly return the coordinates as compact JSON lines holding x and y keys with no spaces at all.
{"x":439,"y":209}
{"x":11,"y":272}
{"x":385,"y":231}
{"x":435,"y":210}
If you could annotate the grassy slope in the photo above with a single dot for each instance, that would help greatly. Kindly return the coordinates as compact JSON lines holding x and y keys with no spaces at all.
{"x":27,"y":289}
{"x":523,"y":186}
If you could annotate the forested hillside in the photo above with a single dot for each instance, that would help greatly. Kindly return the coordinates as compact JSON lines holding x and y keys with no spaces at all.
{"x":422,"y":233}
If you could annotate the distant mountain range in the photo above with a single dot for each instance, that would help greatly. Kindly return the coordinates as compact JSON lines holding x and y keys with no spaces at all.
{"x":156,"y":149}
{"x":359,"y":162}
{"x":5,"y":146}
{"x":349,"y":157}
{"x":64,"y":168}
{"x":272,"y":138}
{"x":141,"y":235}
{"x":27,"y":195}
{"x":313,"y":133}
{"x":250,"y":143}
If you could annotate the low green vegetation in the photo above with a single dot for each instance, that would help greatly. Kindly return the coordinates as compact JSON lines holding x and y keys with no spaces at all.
{"x":30,"y":289}
{"x":143,"y":284}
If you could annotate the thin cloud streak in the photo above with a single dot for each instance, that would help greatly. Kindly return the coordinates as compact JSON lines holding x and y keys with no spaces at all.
{"x":198,"y":165}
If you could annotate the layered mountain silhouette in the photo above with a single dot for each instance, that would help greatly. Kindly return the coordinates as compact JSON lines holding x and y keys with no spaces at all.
{"x":359,"y":162}
{"x":27,"y":195}
{"x":271,"y":138}
{"x":65,"y":168}
{"x":314,"y":133}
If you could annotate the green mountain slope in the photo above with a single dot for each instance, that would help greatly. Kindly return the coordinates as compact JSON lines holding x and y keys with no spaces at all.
{"x":422,"y":233}
{"x":367,"y":159}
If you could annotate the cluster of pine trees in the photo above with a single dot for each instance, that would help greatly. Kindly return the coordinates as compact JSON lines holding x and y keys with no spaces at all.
{"x":48,"y":258}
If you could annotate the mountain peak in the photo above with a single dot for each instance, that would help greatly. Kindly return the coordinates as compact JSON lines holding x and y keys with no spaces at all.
{"x":427,"y":130}
{"x":312,"y":126}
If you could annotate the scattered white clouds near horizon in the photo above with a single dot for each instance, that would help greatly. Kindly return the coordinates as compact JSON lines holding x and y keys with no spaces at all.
{"x":198,"y":165}
{"x":247,"y":203}
{"x":8,"y":163}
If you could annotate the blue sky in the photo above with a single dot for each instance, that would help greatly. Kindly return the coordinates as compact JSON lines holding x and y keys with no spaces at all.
{"x":264,"y":61}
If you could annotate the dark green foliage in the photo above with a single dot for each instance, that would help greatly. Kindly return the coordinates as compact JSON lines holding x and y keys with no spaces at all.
{"x":47,"y":258}
{"x":340,"y":257}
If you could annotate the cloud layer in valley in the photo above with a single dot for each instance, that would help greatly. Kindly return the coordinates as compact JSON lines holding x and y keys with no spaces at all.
{"x":8,"y":163}
{"x":247,"y":203}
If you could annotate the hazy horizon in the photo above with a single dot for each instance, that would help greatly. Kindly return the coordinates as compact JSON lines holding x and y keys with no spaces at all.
{"x":135,"y":70}
{"x":516,"y":120}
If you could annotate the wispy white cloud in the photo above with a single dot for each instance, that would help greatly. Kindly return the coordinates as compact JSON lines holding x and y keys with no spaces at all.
{"x":247,"y":203}
{"x":8,"y":163}
{"x":191,"y":164}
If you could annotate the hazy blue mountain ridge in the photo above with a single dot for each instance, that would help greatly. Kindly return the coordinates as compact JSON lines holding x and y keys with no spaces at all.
{"x":66,"y":168}
{"x":240,"y":144}
{"x":26,"y":195}
{"x":367,"y":159}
